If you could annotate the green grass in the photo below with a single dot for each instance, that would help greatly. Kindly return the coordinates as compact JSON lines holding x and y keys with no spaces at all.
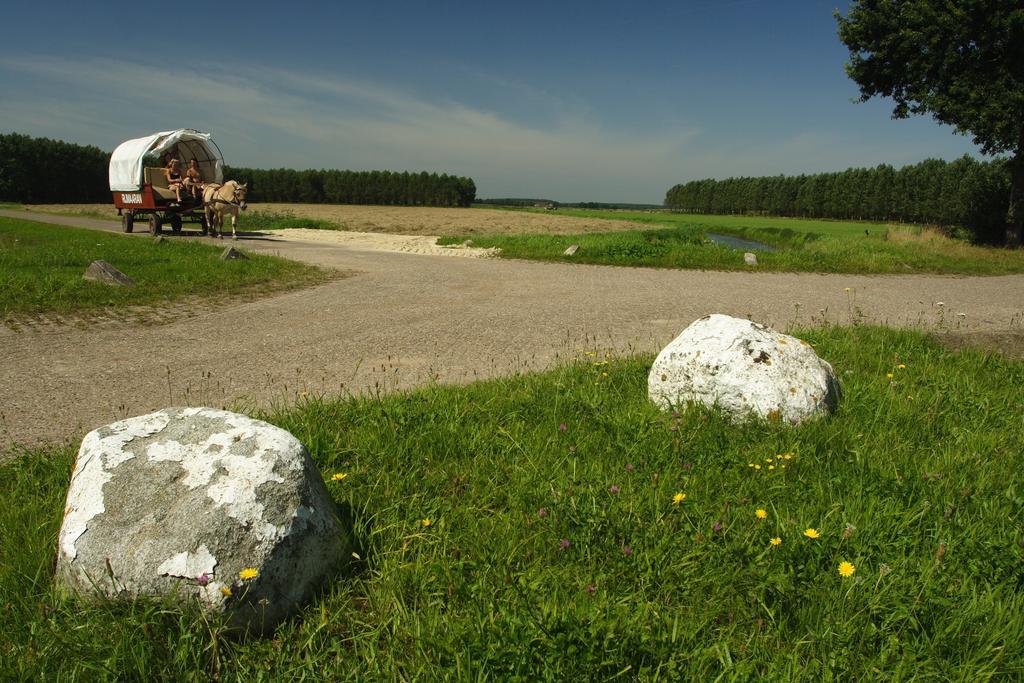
{"x":41,"y":269}
{"x":803,"y":246}
{"x":917,"y":481}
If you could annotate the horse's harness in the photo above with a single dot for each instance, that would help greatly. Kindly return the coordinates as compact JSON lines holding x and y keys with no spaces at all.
{"x":218,"y":200}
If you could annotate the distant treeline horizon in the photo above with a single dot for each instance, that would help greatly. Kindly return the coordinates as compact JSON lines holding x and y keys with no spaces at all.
{"x":966,"y":193}
{"x":399,"y":188}
{"x":45,"y":171}
{"x":543,"y":203}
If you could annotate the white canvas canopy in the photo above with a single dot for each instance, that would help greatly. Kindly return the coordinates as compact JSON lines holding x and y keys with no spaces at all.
{"x":131,"y":157}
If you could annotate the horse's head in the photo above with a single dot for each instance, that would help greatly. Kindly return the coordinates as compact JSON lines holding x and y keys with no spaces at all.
{"x":239,"y":195}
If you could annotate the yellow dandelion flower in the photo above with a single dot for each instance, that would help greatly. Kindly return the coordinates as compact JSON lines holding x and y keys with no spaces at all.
{"x":776,"y":541}
{"x":338,"y":476}
{"x":788,"y":456}
{"x":901,"y":366}
{"x":757,"y":467}
{"x":846,"y":569}
{"x":678,"y":498}
{"x":750,"y":464}
{"x":771,"y":467}
{"x":811,"y":533}
{"x":248,"y":573}
{"x":888,"y":375}
{"x":225,"y":591}
{"x":846,"y":289}
{"x":427,"y":522}
{"x":761,"y":513}
{"x":768,"y":460}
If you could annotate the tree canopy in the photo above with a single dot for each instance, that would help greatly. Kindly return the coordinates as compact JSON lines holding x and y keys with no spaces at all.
{"x":961,"y":61}
{"x":966,"y":196}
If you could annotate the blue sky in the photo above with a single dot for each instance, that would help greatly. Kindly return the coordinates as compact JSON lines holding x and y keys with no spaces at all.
{"x":573,"y":101}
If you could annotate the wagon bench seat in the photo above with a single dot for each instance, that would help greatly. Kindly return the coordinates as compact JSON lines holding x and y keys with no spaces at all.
{"x":155,"y":176}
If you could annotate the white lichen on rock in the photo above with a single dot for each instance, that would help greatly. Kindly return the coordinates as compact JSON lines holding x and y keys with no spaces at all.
{"x":96,"y":457}
{"x":744,"y":369}
{"x":187,"y":565}
{"x":181,"y":500}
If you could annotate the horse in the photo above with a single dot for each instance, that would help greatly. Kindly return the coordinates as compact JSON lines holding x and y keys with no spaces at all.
{"x":221,"y":199}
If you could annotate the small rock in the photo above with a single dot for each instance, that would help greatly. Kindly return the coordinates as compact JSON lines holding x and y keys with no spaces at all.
{"x":750,"y":258}
{"x":571,"y":250}
{"x":101,"y":271}
{"x":231,"y":254}
{"x":202,"y":505}
{"x":744,"y":369}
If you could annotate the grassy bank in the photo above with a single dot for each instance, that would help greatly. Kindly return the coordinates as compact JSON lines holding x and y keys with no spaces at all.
{"x":802,"y":246}
{"x":556,"y":549}
{"x":41,"y":269}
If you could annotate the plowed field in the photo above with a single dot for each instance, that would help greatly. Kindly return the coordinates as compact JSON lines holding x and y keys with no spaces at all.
{"x":408,"y":220}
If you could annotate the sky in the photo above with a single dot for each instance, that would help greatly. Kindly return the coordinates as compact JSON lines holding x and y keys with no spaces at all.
{"x":571,"y":101}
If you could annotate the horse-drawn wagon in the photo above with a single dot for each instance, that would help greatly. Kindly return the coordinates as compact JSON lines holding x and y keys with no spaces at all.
{"x":140,"y":185}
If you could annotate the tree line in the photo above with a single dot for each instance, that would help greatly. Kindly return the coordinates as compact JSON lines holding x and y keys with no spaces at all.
{"x":44,"y":171}
{"x":355,"y":187}
{"x":963,"y":193}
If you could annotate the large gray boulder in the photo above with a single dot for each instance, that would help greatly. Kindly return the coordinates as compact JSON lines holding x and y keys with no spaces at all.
{"x":745,"y":369}
{"x":181,"y":501}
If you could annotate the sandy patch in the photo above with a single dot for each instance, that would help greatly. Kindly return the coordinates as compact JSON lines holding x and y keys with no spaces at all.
{"x":373,"y":241}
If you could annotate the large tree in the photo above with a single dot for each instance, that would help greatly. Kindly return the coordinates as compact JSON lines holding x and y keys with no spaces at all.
{"x":962,"y":61}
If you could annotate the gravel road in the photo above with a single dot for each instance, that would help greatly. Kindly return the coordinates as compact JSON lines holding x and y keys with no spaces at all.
{"x":405,"y":319}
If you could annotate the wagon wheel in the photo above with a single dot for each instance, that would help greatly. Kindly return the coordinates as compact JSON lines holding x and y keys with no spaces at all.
{"x":176,"y":223}
{"x":155,"y":224}
{"x":127,"y":221}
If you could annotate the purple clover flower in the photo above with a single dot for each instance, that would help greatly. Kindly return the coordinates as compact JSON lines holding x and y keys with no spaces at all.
{"x":542,"y":513}
{"x":562,"y":427}
{"x":564,"y":544}
{"x":613,"y":489}
{"x":629,"y":467}
{"x":203,"y":579}
{"x":717,"y":527}
{"x":627,"y":551}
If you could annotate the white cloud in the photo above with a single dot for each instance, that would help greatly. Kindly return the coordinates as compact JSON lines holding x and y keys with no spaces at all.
{"x":272,"y":117}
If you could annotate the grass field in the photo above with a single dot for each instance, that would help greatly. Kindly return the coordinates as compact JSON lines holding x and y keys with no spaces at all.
{"x":677,"y":241}
{"x":737,"y":225}
{"x":577,"y":533}
{"x":41,"y":269}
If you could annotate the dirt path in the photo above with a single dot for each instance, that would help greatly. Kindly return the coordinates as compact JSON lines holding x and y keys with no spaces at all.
{"x":405,"y":319}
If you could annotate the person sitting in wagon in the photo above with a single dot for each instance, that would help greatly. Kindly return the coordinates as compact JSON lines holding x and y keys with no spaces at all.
{"x":174,"y":179}
{"x":194,"y":179}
